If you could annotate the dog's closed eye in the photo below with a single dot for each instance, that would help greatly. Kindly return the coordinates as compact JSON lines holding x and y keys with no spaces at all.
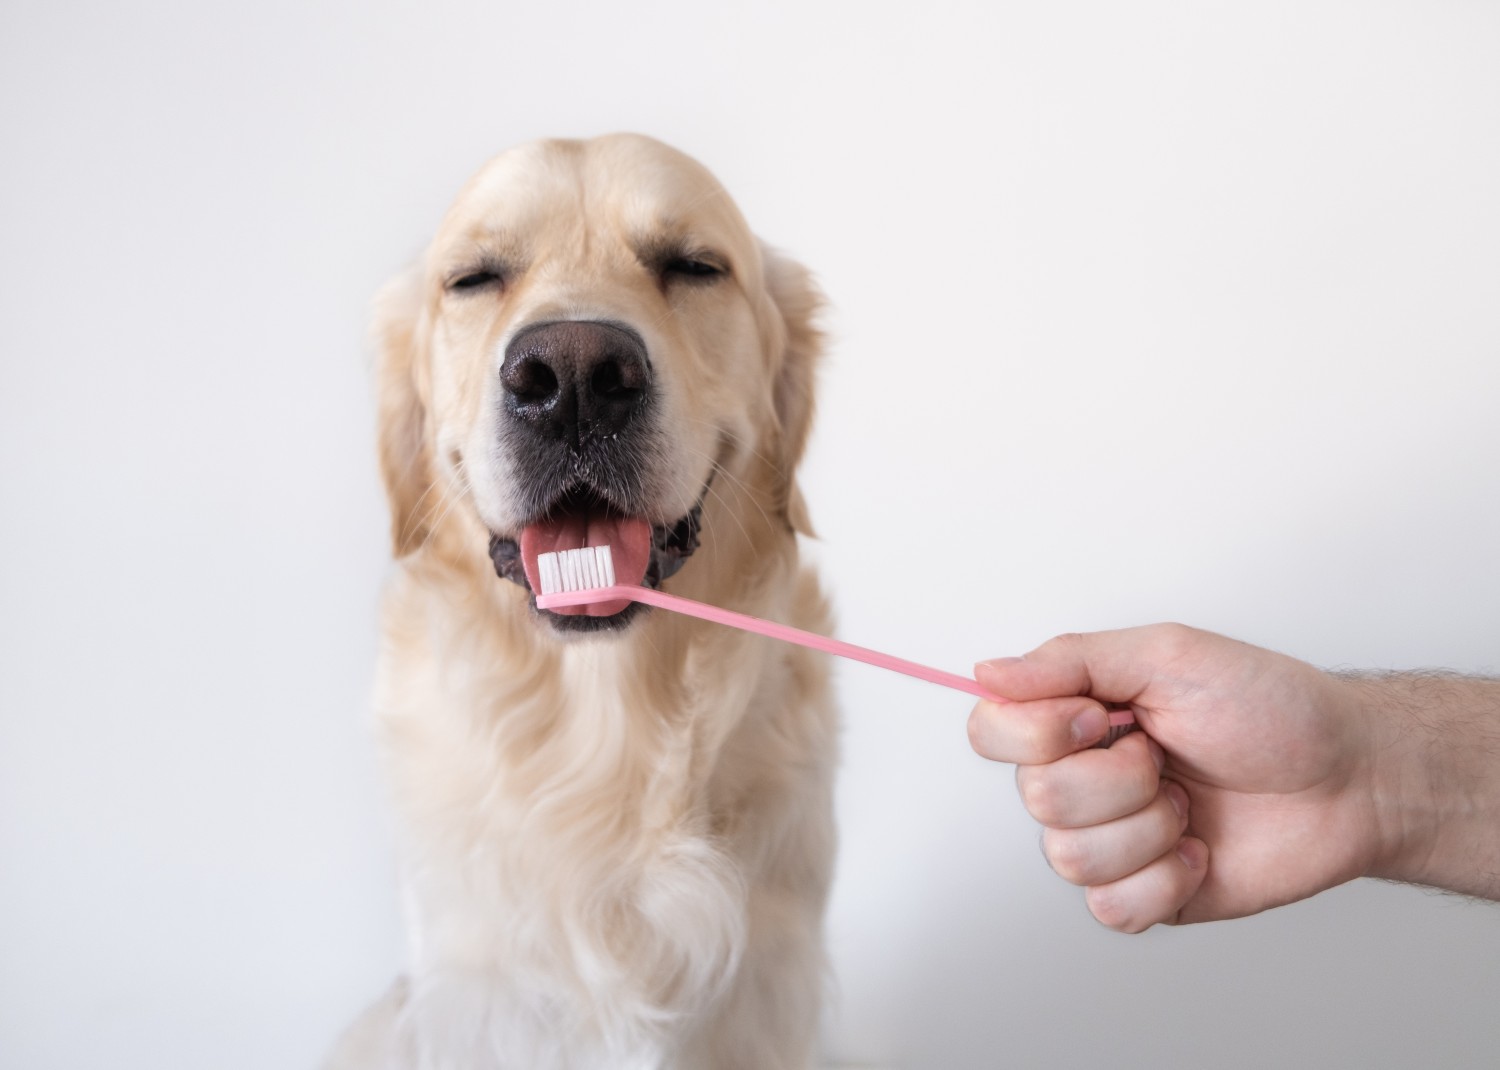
{"x":692,"y":267}
{"x":469,"y":281}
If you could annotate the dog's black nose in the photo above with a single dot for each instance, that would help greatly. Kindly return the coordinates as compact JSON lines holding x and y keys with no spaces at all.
{"x":576,"y":379}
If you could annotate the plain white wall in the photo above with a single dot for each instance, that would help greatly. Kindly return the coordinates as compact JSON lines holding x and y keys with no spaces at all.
{"x":1142,"y":311}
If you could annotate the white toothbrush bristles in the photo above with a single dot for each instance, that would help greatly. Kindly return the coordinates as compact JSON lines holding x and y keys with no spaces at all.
{"x":583,"y":569}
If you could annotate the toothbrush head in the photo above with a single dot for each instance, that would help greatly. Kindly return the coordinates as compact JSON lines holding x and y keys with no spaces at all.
{"x":585,"y":576}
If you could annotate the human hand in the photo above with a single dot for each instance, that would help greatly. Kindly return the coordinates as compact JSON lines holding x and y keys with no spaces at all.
{"x":1251,"y":785}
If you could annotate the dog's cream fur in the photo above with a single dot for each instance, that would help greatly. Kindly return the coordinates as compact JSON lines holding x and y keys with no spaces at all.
{"x":616,"y":848}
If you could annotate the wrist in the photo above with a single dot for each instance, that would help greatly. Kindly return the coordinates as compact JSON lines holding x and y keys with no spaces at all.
{"x":1432,"y":746}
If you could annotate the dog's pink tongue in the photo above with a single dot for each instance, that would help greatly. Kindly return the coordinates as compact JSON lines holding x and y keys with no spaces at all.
{"x":628,"y":539}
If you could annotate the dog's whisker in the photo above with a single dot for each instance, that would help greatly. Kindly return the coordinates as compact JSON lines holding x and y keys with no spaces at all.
{"x":738,"y":439}
{"x":745,"y":490}
{"x":447,"y":503}
{"x":415,"y":519}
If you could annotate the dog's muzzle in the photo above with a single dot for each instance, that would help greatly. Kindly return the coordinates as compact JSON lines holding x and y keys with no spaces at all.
{"x":578,"y":421}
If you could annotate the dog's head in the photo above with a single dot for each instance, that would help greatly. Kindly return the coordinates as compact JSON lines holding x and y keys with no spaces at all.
{"x":593,"y":340}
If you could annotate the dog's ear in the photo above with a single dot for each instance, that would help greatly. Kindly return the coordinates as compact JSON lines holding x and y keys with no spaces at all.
{"x":798,"y":302}
{"x":401,"y":423}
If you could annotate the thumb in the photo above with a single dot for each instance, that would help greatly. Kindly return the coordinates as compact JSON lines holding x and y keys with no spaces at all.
{"x":1114,"y":666}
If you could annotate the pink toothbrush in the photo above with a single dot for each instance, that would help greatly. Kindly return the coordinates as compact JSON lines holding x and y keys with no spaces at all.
{"x":585,"y":575}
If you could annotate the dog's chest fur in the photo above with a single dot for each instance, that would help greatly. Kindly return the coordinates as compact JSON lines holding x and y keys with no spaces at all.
{"x":583,"y":824}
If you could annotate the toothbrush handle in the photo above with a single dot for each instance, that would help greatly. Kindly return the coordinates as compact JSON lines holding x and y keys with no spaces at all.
{"x":1120,"y":721}
{"x":811,"y":640}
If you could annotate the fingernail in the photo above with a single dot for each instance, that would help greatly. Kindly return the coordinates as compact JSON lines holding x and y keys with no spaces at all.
{"x":1089,"y":726}
{"x":1177,"y":796}
{"x":1158,"y":755}
{"x":1192,"y":853}
{"x":998,"y":663}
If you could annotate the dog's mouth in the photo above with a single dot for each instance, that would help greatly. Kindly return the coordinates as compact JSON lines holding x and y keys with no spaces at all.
{"x":643,"y":553}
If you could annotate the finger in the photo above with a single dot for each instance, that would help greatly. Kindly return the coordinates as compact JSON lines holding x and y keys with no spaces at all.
{"x":1093,"y":786}
{"x":1099,"y":854}
{"x":1116,"y":666}
{"x":1034,"y":733}
{"x":1153,"y":894}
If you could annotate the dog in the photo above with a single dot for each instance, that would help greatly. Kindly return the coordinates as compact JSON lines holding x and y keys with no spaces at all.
{"x":615,"y":823}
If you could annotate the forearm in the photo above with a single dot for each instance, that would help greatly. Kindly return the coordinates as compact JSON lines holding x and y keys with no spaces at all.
{"x":1434,"y":777}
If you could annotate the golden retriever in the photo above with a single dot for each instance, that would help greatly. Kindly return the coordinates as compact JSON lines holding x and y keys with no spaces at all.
{"x":616,"y":828}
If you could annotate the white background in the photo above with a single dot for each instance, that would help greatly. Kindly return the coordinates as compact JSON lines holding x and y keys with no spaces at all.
{"x":1142,"y":311}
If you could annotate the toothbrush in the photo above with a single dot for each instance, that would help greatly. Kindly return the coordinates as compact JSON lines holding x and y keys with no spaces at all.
{"x":587,"y":574}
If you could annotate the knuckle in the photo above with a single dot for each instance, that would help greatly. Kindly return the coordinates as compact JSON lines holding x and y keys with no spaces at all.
{"x":982,"y":735}
{"x":1039,"y":794}
{"x":1068,"y":642}
{"x":1060,"y":649}
{"x":1112,"y":910}
{"x":1043,"y":735}
{"x":976,"y":729}
{"x":1148,"y":783}
{"x":1032,"y":735}
{"x":1174,"y":640}
{"x":1172,"y":822}
{"x":1066,"y":855}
